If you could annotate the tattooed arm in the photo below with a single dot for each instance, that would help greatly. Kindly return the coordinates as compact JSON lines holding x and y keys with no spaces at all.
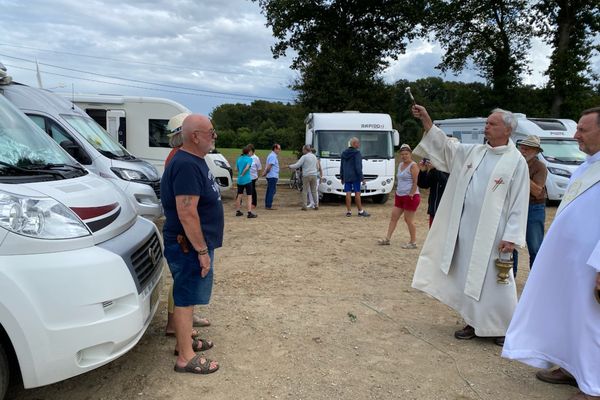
{"x":187,"y":212}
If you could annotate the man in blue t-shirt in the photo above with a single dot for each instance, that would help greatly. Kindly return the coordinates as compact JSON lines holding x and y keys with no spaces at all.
{"x":244,"y":183}
{"x":192,"y":231}
{"x":272,"y":174}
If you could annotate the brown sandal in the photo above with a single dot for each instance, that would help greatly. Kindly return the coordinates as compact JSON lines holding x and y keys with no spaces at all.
{"x":198,"y":345}
{"x":196,"y":366}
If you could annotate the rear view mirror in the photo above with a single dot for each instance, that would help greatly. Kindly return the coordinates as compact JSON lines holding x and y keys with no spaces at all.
{"x":76,"y":152}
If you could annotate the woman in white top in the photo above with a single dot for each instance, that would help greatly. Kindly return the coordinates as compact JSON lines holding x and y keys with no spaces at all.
{"x":406,"y":199}
{"x":254,"y":171}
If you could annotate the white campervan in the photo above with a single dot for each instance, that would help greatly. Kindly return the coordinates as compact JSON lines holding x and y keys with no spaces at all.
{"x":89,"y":144}
{"x":329,"y":133}
{"x":140,"y":125}
{"x":80,"y":272}
{"x":561,"y":151}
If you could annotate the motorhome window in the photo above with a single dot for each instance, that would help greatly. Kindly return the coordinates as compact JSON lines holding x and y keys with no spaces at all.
{"x":23,"y":143}
{"x":95,"y":135}
{"x":373,"y":144}
{"x":158,"y":131}
{"x":549,"y":125}
{"x":562,"y":151}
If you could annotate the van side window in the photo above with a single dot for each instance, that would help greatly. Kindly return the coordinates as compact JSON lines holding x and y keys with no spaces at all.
{"x":62,"y":137}
{"x":157,"y":129}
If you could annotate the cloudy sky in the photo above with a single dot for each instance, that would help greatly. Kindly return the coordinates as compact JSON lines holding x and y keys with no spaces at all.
{"x":201,"y":53}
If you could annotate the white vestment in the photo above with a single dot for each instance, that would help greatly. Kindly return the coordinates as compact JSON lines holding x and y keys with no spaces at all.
{"x":557,"y":321}
{"x":485,"y":201}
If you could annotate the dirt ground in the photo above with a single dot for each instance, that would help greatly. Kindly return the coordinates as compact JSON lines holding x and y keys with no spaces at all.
{"x":306,"y":305}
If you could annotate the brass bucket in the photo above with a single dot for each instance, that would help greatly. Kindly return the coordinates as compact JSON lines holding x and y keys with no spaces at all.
{"x":504,"y":264}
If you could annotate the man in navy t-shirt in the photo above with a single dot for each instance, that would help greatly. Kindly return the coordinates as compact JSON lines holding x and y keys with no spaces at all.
{"x":193,"y":229}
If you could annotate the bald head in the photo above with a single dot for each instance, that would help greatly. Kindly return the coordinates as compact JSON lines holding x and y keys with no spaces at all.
{"x":198,"y":134}
{"x":194,"y":122}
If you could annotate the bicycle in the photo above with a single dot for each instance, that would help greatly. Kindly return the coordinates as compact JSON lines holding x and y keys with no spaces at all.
{"x":296,"y":180}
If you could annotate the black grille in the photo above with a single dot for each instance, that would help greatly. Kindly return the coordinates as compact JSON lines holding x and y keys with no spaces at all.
{"x":222,"y":181}
{"x":146,"y":260}
{"x":367,"y":177}
{"x":156,"y":187}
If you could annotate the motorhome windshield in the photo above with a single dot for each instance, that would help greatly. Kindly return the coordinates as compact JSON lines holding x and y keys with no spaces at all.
{"x":97,"y":136}
{"x":24,"y":145}
{"x":373,"y":144}
{"x":562,"y":151}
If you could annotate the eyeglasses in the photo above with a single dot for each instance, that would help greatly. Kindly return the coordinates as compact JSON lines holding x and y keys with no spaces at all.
{"x":212,"y":132}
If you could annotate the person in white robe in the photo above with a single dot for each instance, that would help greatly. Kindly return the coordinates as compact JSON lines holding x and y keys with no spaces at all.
{"x":483,"y":213}
{"x":557,"y":321}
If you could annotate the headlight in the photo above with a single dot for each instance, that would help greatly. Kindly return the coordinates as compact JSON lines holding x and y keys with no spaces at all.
{"x":559,"y":171}
{"x":39,"y":217}
{"x":129,"y":174}
{"x":222,"y":164}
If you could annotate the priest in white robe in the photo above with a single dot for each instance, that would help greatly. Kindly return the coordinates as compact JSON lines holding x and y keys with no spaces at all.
{"x":557,"y":321}
{"x":483,"y":212}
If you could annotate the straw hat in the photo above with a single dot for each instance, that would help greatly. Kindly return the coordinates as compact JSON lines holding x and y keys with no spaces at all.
{"x":531,"y":141}
{"x":174,"y":125}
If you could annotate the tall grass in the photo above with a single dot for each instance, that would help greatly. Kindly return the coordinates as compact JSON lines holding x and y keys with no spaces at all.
{"x":286,"y":157}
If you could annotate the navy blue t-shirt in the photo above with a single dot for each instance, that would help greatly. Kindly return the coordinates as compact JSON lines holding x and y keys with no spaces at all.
{"x":187,"y":174}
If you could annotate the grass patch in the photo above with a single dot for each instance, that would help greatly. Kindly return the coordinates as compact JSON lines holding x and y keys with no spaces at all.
{"x":286,"y":157}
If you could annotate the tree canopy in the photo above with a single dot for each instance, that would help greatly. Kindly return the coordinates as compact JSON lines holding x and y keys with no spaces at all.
{"x":341,"y":46}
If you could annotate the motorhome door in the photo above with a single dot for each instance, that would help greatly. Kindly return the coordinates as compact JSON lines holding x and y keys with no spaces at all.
{"x":113,"y":121}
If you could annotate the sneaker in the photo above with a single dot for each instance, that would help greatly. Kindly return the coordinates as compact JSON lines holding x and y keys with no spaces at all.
{"x":316,"y":208}
{"x":238,"y":213}
{"x":409,"y":246}
{"x":252,"y":215}
{"x":383,"y":242}
{"x":363,"y":213}
{"x":311,"y":206}
{"x":348,"y":214}
{"x":304,"y":209}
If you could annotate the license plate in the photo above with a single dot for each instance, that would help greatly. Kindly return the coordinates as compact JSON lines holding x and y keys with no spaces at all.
{"x":155,"y":294}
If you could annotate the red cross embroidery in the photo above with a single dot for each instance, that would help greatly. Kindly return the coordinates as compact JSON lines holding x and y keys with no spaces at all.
{"x":498,"y":182}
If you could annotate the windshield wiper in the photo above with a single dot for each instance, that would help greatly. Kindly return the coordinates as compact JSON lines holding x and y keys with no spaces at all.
{"x":28,"y":171}
{"x":56,"y":169}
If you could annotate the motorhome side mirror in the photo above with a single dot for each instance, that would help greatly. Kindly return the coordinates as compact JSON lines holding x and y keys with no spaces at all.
{"x":76,"y":152}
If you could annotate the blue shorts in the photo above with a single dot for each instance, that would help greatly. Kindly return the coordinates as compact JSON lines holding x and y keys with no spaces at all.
{"x":189,"y":288}
{"x":352,"y":187}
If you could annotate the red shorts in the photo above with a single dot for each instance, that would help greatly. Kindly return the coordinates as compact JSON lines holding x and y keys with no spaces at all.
{"x":406,"y":203}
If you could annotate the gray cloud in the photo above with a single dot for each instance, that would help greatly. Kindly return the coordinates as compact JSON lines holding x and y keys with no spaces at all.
{"x":212,"y":45}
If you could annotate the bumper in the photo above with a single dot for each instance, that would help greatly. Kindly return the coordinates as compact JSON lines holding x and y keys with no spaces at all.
{"x":69,"y":312}
{"x":556,"y":186}
{"x":378,"y":186}
{"x":144,"y":199}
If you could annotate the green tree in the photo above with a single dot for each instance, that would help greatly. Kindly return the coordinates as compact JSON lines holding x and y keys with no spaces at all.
{"x":570,"y":27}
{"x":341,"y":46}
{"x":492,"y":34}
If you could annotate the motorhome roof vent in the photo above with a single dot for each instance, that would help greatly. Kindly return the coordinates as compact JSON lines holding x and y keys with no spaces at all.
{"x":351,"y":111}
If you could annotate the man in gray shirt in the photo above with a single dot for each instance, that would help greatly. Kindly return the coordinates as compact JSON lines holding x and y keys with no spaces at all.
{"x":311,"y":173}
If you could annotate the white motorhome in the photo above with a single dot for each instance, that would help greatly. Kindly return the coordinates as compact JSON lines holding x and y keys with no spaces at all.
{"x":329,"y":133}
{"x":140,"y":125}
{"x":561,"y":151}
{"x":80,"y":271}
{"x":89,"y":144}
